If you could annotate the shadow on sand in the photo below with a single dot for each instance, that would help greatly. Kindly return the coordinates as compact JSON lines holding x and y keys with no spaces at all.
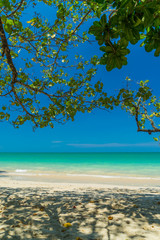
{"x":111,"y":214}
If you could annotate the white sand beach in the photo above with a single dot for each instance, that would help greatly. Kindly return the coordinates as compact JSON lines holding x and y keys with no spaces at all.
{"x":57,"y":211}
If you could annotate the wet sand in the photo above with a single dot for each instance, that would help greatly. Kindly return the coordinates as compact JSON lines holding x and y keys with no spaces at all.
{"x":95,"y":179}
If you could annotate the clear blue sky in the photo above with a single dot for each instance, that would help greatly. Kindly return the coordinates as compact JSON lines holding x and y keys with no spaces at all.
{"x":98,"y":131}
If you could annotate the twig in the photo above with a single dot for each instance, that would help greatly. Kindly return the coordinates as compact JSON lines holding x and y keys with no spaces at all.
{"x":19,"y":6}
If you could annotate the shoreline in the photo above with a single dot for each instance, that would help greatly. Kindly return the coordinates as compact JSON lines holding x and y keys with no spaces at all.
{"x":60,"y":186}
{"x":84,"y":179}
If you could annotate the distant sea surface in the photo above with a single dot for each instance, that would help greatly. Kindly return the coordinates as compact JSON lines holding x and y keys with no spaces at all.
{"x":100,"y":165}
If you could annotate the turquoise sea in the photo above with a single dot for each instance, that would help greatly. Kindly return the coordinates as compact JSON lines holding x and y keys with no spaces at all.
{"x":104,"y":165}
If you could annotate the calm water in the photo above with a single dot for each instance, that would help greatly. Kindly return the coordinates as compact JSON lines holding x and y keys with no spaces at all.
{"x":104,"y":164}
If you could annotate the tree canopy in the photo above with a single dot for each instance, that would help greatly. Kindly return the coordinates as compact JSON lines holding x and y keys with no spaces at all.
{"x":40,"y":79}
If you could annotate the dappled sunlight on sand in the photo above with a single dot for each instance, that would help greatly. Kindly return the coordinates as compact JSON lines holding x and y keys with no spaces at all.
{"x":79,"y":213}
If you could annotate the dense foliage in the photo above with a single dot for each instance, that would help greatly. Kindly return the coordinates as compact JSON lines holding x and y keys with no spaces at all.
{"x":128,"y":21}
{"x":43,"y":82}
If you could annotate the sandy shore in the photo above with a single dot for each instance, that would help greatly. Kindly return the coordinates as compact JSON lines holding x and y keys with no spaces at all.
{"x":85,"y":179}
{"x":57,"y":211}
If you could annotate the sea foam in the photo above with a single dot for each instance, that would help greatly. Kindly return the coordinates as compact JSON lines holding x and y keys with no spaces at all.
{"x":105,"y":176}
{"x":20,"y":170}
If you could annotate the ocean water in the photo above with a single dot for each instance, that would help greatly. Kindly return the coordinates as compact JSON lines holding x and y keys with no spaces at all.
{"x":104,"y":165}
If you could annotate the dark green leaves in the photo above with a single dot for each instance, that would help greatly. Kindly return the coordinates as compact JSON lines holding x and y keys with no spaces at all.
{"x":6,"y":4}
{"x":114,"y":56}
{"x":152,"y":41}
{"x":127,"y":21}
{"x":99,"y":29}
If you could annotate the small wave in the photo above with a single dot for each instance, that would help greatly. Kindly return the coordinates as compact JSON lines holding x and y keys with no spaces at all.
{"x":24,"y":172}
{"x":106,"y":176}
{"x":21,"y":170}
{"x":44,"y":174}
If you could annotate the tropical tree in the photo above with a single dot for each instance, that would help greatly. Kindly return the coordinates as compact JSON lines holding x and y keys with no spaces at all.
{"x":43,"y":82}
{"x":129,"y":22}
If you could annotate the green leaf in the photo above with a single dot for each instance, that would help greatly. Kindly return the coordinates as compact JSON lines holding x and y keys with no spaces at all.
{"x":155,"y":139}
{"x":4,"y":108}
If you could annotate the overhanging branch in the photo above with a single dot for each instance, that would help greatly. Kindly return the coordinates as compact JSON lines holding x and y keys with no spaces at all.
{"x":6,"y":51}
{"x":137,"y":113}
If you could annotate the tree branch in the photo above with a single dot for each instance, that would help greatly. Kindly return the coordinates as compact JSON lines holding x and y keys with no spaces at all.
{"x":149,"y":119}
{"x":38,"y":90}
{"x":19,"y":6}
{"x":139,"y":129}
{"x":24,"y":108}
{"x":76,"y":28}
{"x":6,"y":51}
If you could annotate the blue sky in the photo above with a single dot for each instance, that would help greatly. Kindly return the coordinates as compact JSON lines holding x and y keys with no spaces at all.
{"x":99,"y":131}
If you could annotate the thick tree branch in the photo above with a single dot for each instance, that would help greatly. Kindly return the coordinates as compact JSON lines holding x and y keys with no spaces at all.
{"x":149,"y":131}
{"x":6,"y":51}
